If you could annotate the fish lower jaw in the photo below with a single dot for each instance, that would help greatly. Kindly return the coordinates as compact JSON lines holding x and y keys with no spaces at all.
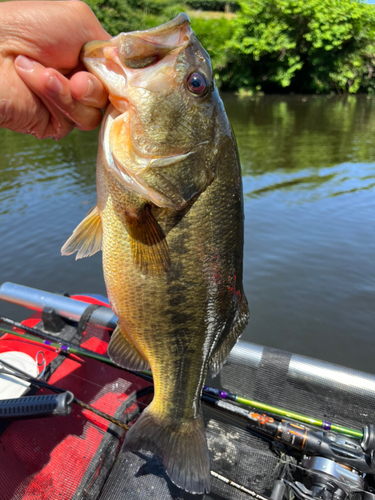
{"x":120,"y":103}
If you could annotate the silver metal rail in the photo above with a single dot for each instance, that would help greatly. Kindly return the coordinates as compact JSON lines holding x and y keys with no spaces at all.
{"x":64,"y":306}
{"x":301,"y":368}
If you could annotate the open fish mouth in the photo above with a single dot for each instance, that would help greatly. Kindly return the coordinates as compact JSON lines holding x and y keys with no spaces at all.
{"x":122,"y":57}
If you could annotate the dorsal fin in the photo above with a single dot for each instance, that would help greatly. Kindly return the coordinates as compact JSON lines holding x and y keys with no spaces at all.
{"x":87,"y":236}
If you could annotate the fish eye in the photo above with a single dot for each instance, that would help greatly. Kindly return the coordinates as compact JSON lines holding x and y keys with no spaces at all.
{"x":197,"y":84}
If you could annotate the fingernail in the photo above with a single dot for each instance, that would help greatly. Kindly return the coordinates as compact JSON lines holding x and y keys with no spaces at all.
{"x":54,"y":86}
{"x":89,"y":89}
{"x":25,"y":63}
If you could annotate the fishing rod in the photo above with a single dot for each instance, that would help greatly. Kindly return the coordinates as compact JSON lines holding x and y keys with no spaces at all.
{"x":336,"y":465}
{"x":68,"y":347}
{"x":323,"y":424}
{"x":239,"y":487}
{"x":74,"y":350}
{"x":53,"y":341}
{"x":303,"y":438}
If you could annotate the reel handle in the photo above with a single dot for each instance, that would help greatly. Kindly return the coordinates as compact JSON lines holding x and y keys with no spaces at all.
{"x":368,"y":440}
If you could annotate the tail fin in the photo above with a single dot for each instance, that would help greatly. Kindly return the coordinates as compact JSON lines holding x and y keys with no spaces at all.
{"x":182,"y":446}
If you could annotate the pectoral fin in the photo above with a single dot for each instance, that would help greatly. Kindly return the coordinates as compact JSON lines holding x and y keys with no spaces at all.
{"x":87,"y":236}
{"x":149,"y":245}
{"x":124,"y":354}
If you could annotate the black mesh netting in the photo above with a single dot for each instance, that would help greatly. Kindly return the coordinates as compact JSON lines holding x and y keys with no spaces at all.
{"x":266,"y":375}
{"x":79,"y":457}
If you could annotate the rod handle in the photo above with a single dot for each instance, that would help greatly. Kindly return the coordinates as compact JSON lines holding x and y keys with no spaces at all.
{"x":51,"y":405}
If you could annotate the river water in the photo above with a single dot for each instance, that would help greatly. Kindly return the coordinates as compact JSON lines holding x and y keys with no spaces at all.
{"x":309,"y":184}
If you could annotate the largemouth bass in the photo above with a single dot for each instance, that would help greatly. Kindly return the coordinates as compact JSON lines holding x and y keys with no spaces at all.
{"x":169,"y":220}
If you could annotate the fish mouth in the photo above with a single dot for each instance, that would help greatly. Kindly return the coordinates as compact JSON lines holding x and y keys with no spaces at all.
{"x":124,"y":56}
{"x":166,"y":36}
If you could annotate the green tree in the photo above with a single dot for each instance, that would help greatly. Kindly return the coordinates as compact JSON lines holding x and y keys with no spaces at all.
{"x":213,"y":34}
{"x":302,"y":45}
{"x":117,"y":16}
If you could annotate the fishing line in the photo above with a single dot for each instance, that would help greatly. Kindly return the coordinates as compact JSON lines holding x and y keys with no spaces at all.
{"x":65,"y":346}
{"x":17,"y":372}
{"x":238,"y":486}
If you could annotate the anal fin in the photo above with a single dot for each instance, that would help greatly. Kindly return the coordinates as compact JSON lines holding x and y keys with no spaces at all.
{"x":222,"y":351}
{"x":87,"y":236}
{"x":124,"y":354}
{"x":149,"y":245}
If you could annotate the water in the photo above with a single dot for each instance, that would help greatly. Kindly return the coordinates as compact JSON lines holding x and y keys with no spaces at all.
{"x":309,"y":185}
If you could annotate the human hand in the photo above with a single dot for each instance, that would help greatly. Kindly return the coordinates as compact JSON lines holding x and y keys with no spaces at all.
{"x":40,"y":42}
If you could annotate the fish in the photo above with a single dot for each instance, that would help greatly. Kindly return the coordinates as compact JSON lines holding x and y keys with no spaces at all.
{"x":169,"y":220}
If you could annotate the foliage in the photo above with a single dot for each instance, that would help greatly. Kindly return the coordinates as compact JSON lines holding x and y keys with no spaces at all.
{"x":117,"y":16}
{"x":303,"y":45}
{"x":318,"y":46}
{"x":213,"y":35}
{"x":216,"y":5}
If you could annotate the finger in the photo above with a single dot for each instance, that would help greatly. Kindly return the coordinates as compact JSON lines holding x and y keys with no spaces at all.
{"x":88,"y":90}
{"x":53,"y":88}
{"x":22,"y":110}
{"x":53,"y":33}
{"x":58,"y":125}
{"x":25,"y":113}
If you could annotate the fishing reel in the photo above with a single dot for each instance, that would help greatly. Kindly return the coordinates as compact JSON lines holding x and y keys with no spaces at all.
{"x":335,"y":466}
{"x":339,"y":472}
{"x":332,"y":466}
{"x":342,"y":469}
{"x":328,"y":480}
